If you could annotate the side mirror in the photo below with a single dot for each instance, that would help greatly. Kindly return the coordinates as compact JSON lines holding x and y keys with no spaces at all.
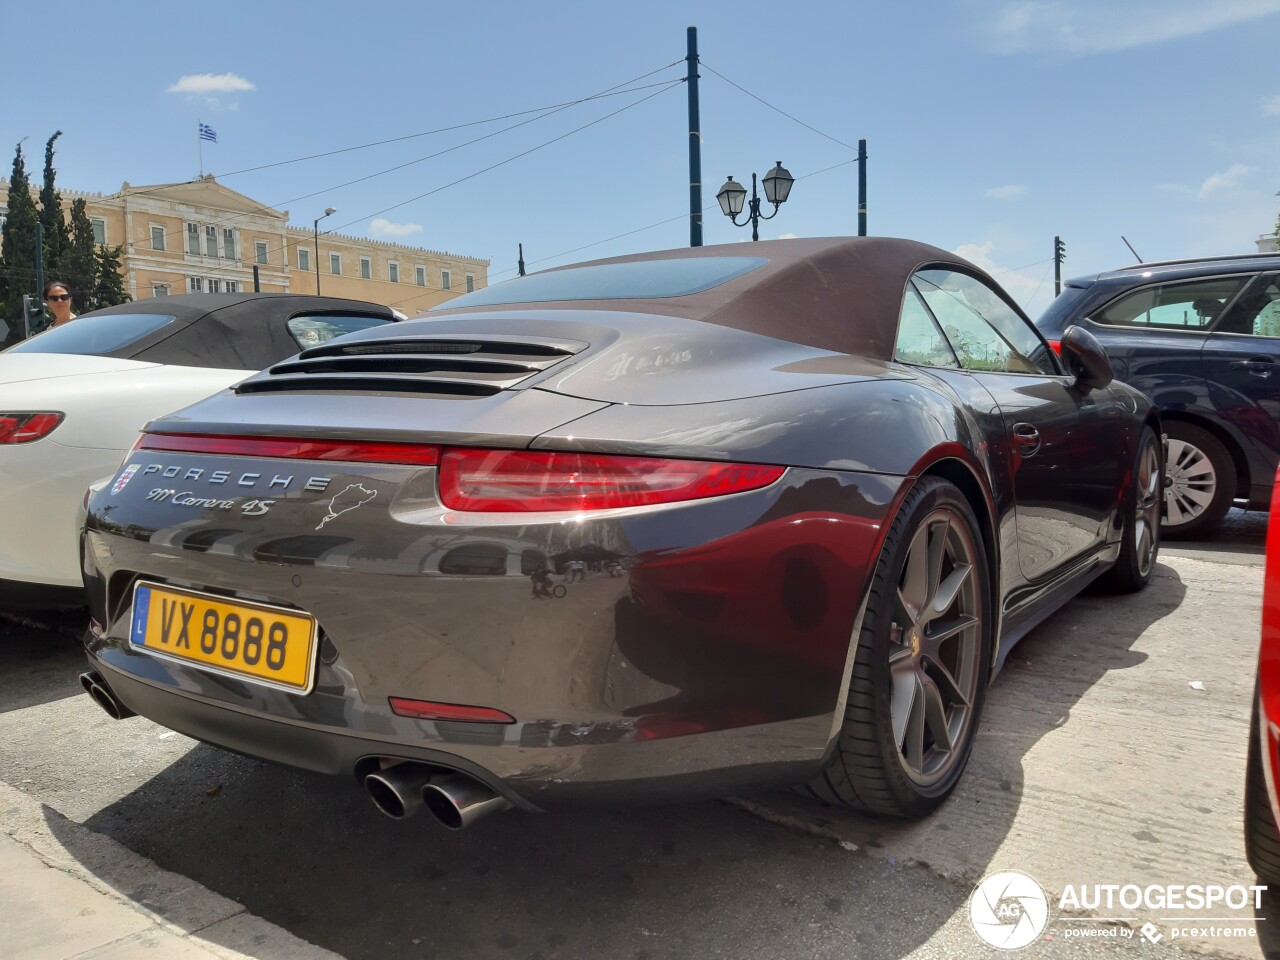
{"x":1085,"y":359}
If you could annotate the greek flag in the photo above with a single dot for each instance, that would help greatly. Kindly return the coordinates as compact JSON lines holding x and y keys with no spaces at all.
{"x":206,"y":133}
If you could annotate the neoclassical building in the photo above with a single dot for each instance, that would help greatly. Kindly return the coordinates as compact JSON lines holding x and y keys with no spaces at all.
{"x":202,"y":236}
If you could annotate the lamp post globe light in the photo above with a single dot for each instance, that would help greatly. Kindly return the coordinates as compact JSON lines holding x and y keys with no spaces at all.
{"x":777,"y":187}
{"x":328,"y":212}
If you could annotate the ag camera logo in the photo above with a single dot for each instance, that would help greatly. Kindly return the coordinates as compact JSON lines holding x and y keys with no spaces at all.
{"x":1008,"y":910}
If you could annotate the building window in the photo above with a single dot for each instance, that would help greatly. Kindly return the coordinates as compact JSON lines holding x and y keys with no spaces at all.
{"x":446,"y":282}
{"x":99,"y":231}
{"x":260,"y":251}
{"x":420,"y":275}
{"x":304,"y":259}
{"x":233,"y":286}
{"x":215,"y":286}
{"x":366,"y":268}
{"x":335,"y":264}
{"x":471,"y":282}
{"x":157,"y":237}
{"x":159,"y":289}
{"x":195,"y":284}
{"x":193,"y":239}
{"x":228,"y":243}
{"x":211,"y":241}
{"x":393,"y":272}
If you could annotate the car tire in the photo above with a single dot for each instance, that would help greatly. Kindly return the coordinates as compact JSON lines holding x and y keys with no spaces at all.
{"x":889,"y":757}
{"x":1142,"y":507}
{"x":1197,"y":463}
{"x":1261,"y":835}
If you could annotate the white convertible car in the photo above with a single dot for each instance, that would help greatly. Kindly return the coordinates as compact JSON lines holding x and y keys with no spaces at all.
{"x":73,"y":399}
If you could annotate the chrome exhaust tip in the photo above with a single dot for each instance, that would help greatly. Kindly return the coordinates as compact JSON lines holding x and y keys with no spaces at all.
{"x":397,"y":790}
{"x":103,"y":696}
{"x":458,"y":801}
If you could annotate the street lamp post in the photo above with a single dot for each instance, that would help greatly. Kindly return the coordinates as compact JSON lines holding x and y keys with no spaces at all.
{"x":328,"y":211}
{"x":777,"y":187}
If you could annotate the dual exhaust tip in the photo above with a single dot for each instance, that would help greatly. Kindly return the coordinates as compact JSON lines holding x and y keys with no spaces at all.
{"x":455,"y":799}
{"x":104,"y":696}
{"x":399,"y":791}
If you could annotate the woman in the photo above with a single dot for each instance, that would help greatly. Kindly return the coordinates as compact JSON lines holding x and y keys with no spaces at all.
{"x":57,"y":295}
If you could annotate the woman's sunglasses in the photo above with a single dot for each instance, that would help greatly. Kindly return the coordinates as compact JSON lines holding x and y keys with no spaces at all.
{"x":59,"y":296}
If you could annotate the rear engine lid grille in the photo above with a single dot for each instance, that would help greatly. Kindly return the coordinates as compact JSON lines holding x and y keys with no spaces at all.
{"x":448,"y":366}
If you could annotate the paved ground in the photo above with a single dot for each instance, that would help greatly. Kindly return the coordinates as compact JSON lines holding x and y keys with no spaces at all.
{"x":1097,"y":762}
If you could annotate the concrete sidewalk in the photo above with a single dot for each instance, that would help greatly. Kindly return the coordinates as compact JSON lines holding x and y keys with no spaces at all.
{"x":67,"y":892}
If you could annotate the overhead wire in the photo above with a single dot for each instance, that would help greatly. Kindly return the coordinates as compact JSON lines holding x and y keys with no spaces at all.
{"x":753,"y":96}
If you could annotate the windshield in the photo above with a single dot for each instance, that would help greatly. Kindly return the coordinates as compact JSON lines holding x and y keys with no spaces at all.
{"x":636,"y":280}
{"x":94,"y":335}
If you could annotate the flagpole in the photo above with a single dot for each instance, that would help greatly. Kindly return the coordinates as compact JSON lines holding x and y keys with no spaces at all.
{"x":200,"y":145}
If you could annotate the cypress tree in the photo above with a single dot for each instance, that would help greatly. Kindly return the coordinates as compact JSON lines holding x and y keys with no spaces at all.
{"x":18,"y":248}
{"x":110,"y":287}
{"x":56,"y":238}
{"x":80,"y":265}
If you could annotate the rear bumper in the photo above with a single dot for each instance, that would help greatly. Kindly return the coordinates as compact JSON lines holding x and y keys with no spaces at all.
{"x":708,"y":655}
{"x":532,"y":777}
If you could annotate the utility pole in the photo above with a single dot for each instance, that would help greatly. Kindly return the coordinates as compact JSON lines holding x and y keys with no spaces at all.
{"x":862,"y":188}
{"x":40,"y":265}
{"x":695,"y":143}
{"x":257,"y":280}
{"x":1059,"y":254}
{"x":520,"y":261}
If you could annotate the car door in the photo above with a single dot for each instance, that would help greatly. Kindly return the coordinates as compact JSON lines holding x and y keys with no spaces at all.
{"x":1240,"y":360}
{"x":1066,"y":446}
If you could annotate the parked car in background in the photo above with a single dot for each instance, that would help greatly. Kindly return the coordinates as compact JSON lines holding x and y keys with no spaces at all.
{"x":74,"y":398}
{"x":1202,"y":339}
{"x":815,"y":490}
{"x":1262,"y":777}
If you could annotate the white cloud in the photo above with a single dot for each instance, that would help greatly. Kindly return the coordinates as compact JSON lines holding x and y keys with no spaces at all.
{"x":386,"y":228}
{"x":1012,"y":191}
{"x":1031,"y":287}
{"x":206,"y":83}
{"x":788,"y":236}
{"x":1085,"y":27}
{"x":1228,"y":179}
{"x":1271,"y":106}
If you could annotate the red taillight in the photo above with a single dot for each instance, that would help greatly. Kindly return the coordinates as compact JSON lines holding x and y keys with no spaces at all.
{"x":416,"y":454}
{"x":427,"y":710}
{"x":513,"y":481}
{"x":1055,"y":346}
{"x":25,"y":427}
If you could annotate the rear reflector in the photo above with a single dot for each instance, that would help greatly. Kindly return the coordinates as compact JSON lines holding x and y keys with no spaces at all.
{"x":426,"y":710}
{"x":351,"y":451}
{"x":512,"y":481}
{"x":25,"y":427}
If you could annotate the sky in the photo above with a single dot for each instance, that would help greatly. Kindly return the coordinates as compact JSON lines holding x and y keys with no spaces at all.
{"x":992,"y":125}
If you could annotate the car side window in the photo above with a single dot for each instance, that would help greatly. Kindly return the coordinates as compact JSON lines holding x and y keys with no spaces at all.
{"x":985,"y":332}
{"x":311,"y":331}
{"x":1192,"y":305}
{"x":920,"y":340}
{"x":1258,"y":313}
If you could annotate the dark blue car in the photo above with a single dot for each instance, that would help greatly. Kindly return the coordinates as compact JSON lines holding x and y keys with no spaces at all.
{"x":1202,"y":339}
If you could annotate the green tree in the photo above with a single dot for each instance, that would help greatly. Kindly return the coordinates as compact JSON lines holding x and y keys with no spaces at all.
{"x":18,"y":248}
{"x":110,"y":287}
{"x":80,"y":265}
{"x":56,"y":239}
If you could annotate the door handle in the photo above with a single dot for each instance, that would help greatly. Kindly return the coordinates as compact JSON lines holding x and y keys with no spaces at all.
{"x":1256,"y":366}
{"x":1026,"y":438}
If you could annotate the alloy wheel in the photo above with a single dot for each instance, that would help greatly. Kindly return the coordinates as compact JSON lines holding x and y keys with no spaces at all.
{"x":1192,"y":482}
{"x":934,"y":647}
{"x":1148,"y":506}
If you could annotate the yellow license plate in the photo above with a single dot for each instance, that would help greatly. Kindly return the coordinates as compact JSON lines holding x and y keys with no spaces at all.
{"x":252,"y":641}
